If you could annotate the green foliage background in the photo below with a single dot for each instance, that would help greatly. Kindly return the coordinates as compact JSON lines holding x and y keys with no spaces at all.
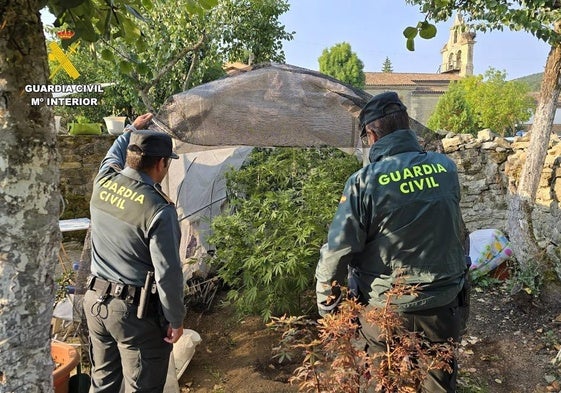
{"x":483,"y":101}
{"x":342,"y":63}
{"x":537,"y":17}
{"x":453,"y":113}
{"x":533,"y":81}
{"x":170,"y":49}
{"x":282,"y":202}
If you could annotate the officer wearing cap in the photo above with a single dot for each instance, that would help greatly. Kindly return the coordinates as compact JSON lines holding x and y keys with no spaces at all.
{"x":399,"y":218}
{"x":134,"y":302}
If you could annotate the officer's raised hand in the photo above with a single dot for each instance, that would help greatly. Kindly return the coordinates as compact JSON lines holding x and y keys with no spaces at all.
{"x":142,"y":121}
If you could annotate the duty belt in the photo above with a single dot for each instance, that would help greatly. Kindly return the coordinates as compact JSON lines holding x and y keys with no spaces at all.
{"x":105,"y":288}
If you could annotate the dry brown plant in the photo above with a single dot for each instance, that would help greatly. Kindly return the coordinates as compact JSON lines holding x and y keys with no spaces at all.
{"x":335,"y":359}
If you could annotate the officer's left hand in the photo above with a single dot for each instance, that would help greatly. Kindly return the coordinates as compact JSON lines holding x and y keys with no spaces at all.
{"x":331,"y":303}
{"x":173,"y":334}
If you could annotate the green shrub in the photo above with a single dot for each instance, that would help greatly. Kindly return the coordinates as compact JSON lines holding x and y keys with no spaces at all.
{"x":267,"y":246}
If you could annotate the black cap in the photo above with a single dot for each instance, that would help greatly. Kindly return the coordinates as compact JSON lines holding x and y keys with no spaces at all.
{"x":152,"y":143}
{"x":376,"y":108}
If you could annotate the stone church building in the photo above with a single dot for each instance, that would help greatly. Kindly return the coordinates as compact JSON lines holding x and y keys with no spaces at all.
{"x":421,"y":91}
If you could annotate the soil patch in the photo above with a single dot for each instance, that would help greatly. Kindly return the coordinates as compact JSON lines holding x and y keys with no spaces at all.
{"x":235,"y":355}
{"x":511,"y":344}
{"x":509,"y":348}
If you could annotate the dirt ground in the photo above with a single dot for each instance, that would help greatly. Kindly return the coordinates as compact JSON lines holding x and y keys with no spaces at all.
{"x":509,"y":348}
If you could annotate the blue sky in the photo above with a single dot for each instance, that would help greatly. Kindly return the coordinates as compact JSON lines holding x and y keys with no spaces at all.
{"x":374,"y":29}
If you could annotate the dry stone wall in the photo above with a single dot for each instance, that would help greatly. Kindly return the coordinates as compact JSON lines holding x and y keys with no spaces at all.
{"x":80,"y":159}
{"x":488,"y":166}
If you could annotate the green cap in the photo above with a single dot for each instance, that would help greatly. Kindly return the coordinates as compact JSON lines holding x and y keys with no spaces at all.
{"x":152,"y":143}
{"x":376,"y":108}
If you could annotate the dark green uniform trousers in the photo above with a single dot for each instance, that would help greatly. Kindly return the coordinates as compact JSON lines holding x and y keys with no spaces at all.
{"x":124,"y":349}
{"x":439,"y":325}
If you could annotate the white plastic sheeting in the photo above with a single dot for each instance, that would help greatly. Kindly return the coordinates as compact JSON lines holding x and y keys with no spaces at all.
{"x":197,"y":186}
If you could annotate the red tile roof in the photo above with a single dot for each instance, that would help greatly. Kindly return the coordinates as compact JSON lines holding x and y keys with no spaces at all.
{"x":407,"y":79}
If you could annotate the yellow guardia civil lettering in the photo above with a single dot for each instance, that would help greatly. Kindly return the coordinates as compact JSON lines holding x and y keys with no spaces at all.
{"x":415,"y":178}
{"x":116,"y":194}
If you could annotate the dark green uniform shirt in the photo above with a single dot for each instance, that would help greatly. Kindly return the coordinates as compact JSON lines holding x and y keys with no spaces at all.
{"x":134,"y":229}
{"x":399,"y":213}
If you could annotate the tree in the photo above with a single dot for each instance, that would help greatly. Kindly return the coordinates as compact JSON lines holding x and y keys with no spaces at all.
{"x":499,"y":104}
{"x":29,"y":171}
{"x":29,"y":208}
{"x":343,"y":64}
{"x":197,"y":45}
{"x":477,"y":102}
{"x":541,"y":19}
{"x":387,"y":66}
{"x":453,"y":113}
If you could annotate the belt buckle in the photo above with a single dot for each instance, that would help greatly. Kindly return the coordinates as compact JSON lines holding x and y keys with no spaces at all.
{"x":118,"y":290}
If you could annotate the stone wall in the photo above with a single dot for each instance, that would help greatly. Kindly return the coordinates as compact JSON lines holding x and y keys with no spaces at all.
{"x":80,"y":159}
{"x":488,"y":166}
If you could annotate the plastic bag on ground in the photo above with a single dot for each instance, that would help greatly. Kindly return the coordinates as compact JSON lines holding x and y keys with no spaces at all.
{"x":488,"y":249}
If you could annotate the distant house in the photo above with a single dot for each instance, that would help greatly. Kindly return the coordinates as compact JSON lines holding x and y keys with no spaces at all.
{"x":421,"y":91}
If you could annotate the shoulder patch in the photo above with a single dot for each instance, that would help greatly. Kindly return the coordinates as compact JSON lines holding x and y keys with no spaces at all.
{"x":168,"y":199}
{"x":117,"y":168}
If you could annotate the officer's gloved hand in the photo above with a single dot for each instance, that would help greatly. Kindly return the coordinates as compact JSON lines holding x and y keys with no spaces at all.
{"x":330,"y":305}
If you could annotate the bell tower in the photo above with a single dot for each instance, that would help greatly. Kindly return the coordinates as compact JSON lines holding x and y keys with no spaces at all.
{"x":457,"y":53}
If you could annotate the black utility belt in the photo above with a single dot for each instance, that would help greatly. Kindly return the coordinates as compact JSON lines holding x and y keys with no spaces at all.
{"x":105,"y":288}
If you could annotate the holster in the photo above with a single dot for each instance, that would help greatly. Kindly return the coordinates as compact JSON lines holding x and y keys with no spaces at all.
{"x":464,"y":299}
{"x":145,"y":292}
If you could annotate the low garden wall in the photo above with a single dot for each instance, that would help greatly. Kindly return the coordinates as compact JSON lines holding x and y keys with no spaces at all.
{"x":80,"y":157}
{"x":488,"y":165}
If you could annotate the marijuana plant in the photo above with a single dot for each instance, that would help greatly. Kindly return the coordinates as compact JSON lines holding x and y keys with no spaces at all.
{"x":267,"y":245}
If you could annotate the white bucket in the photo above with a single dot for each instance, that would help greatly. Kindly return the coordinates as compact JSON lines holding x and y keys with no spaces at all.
{"x":115,"y":124}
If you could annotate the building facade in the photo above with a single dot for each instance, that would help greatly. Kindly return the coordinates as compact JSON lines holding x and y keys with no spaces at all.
{"x":420,"y":92}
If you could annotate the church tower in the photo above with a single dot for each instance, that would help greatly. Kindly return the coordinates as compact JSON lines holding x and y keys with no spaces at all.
{"x":457,"y":53}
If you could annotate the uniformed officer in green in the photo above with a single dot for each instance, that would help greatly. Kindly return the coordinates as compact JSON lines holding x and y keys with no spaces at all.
{"x":135,"y":237}
{"x":400,"y":215}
